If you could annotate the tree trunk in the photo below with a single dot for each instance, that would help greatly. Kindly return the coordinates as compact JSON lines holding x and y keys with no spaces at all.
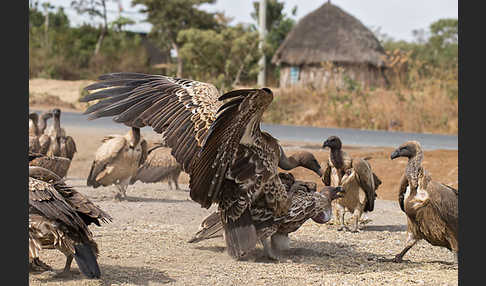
{"x":103,"y":30}
{"x":179,"y":60}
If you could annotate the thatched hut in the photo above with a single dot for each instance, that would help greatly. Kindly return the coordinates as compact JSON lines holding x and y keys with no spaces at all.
{"x":330,"y":47}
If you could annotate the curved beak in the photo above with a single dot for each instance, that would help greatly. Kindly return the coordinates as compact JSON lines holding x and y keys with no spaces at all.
{"x":340,"y":191}
{"x":325,"y":144}
{"x":395,"y":154}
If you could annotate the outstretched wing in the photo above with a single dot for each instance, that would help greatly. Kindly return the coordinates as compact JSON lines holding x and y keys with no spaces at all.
{"x":366,"y":181}
{"x":183,"y":110}
{"x":190,"y":115}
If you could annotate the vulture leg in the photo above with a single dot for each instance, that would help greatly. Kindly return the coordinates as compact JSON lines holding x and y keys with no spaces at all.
{"x":340,"y":217}
{"x":280,"y":242}
{"x":169,"y":182}
{"x":67,"y":267}
{"x":118,"y":193}
{"x":411,"y":241}
{"x":267,"y":249}
{"x":175,"y":178}
{"x":356,"y":215}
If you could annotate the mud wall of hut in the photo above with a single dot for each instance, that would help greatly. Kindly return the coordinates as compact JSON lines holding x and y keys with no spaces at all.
{"x":331,"y":75}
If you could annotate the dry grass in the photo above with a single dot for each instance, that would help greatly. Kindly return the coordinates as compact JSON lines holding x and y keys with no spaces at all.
{"x":429,"y":110}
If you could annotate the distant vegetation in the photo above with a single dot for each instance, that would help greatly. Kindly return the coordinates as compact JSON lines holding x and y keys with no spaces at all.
{"x":423,"y":74}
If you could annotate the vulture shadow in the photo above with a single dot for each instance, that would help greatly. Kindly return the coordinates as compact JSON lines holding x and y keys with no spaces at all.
{"x":116,"y":274}
{"x":390,"y":228}
{"x":144,"y":199}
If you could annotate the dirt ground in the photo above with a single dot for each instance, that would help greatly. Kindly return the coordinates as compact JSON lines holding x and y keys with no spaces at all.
{"x":146,"y":244}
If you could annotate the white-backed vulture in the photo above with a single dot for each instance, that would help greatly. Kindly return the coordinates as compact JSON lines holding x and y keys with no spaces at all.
{"x":58,"y":219}
{"x":431,"y":207}
{"x":34,"y":144}
{"x":117,"y":160}
{"x":44,"y":139}
{"x":56,"y":164}
{"x":306,"y":203}
{"x":216,"y":138}
{"x":356,"y":176}
{"x":60,"y":144}
{"x":159,"y":166}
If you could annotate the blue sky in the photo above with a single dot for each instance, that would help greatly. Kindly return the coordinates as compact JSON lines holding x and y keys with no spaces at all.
{"x":396,"y":18}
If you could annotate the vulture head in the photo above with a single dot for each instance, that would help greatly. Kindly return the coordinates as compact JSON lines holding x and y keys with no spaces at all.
{"x":56,"y":112}
{"x":408,"y":149}
{"x":332,"y":142}
{"x":309,"y":161}
{"x":34,"y":117}
{"x":331,"y":193}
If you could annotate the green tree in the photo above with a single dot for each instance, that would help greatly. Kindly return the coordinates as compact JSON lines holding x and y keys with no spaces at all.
{"x":171,"y":16}
{"x":94,"y":8}
{"x":220,"y":57}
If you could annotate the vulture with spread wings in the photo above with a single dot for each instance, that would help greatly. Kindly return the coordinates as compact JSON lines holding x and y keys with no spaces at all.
{"x":216,"y":138}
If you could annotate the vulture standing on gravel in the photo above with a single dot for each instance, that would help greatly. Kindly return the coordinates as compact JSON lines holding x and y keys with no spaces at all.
{"x":431,"y":207}
{"x":216,"y":139}
{"x":117,"y":160}
{"x":58,"y":219}
{"x":358,"y":179}
{"x":306,"y":203}
{"x":159,"y":166}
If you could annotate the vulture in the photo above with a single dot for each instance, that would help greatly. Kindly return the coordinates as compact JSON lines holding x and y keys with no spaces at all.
{"x":34,"y":144}
{"x":117,"y":160}
{"x":59,"y":217}
{"x":431,"y":207}
{"x":159,"y":166}
{"x":56,"y":164}
{"x":60,"y":144}
{"x":44,"y":139}
{"x":306,"y":203}
{"x":358,"y":179}
{"x":215,"y":137}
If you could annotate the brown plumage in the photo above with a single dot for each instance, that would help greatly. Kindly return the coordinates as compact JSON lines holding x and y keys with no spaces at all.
{"x":159,"y":166}
{"x":431,"y":207}
{"x":117,"y":160}
{"x":358,"y":179}
{"x":306,"y":203}
{"x":58,"y":219}
{"x":56,"y":164}
{"x":216,"y":138}
{"x":60,"y":144}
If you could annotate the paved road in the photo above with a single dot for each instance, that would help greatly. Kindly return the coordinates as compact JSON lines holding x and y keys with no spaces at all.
{"x":349,"y":136}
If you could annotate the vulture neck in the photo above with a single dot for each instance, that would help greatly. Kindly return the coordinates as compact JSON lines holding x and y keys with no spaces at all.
{"x":337,"y":158}
{"x":134,"y":136}
{"x":33,"y":129}
{"x":287,"y":163}
{"x":57,"y":125}
{"x":42,"y":125}
{"x":412,"y":170}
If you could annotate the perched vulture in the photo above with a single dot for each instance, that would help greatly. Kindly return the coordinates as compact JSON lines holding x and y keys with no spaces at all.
{"x":34,"y":144}
{"x":216,"y":139}
{"x":60,"y":144}
{"x":159,"y":166}
{"x":56,"y":164}
{"x":117,"y":160}
{"x":306,"y":203}
{"x":44,"y":139}
{"x":58,"y":219}
{"x":431,"y":207}
{"x":356,"y":176}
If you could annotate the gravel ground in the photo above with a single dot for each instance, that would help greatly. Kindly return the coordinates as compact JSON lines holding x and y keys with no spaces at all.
{"x":146,"y":242}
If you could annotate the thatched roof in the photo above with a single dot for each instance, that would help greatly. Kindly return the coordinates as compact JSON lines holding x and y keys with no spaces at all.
{"x":329,"y":34}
